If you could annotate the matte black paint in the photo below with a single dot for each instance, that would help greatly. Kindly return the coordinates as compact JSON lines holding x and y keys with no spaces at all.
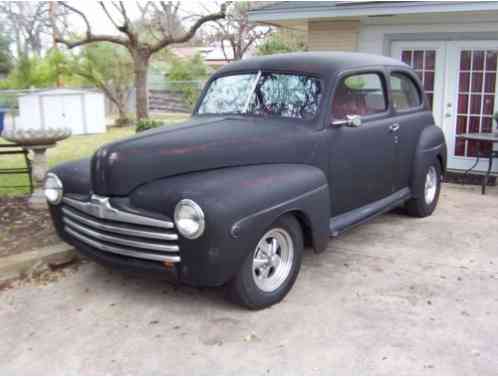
{"x":245,"y":172}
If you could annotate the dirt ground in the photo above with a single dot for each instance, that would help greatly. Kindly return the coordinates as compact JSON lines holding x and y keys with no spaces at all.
{"x":22,"y":228}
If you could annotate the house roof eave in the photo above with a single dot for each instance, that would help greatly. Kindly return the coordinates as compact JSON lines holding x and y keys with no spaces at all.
{"x":326,"y":9}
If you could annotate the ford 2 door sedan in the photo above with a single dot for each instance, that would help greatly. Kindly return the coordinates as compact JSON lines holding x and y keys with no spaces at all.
{"x":281,"y":152}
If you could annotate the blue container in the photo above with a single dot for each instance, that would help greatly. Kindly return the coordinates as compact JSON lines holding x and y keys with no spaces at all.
{"x":2,"y":117}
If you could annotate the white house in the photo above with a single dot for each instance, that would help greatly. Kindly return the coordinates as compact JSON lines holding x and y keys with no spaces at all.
{"x":452,"y":45}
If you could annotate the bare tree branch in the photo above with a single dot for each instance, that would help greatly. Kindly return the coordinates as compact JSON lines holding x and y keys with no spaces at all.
{"x":90,"y":38}
{"x":104,"y":8}
{"x":140,"y":49}
{"x":81,"y":14}
{"x":238,"y":32}
{"x":191,"y":32}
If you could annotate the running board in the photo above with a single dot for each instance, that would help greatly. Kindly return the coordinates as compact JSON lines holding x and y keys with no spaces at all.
{"x":348,"y":220}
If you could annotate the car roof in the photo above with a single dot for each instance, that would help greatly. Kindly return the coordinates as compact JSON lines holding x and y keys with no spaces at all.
{"x":318,"y":63}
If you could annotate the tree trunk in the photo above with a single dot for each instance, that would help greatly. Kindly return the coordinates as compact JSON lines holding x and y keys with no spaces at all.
{"x":141,"y":61}
{"x":123,"y":120}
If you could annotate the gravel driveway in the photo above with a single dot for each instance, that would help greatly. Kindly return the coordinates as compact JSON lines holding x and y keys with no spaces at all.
{"x":396,"y":296}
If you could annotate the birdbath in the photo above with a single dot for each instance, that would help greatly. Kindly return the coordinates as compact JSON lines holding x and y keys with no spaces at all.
{"x":38,"y":141}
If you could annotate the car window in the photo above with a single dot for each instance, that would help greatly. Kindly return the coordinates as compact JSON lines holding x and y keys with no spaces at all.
{"x":361,"y":94}
{"x":404,"y":91}
{"x":264,"y":94}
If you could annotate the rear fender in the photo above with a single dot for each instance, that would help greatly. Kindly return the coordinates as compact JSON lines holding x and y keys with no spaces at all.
{"x":431,"y":147}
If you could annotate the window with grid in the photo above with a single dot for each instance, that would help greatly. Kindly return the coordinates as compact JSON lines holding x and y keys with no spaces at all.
{"x":476,"y":99}
{"x":424,"y":64}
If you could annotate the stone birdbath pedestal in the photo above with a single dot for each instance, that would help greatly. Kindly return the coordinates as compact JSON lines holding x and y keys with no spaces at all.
{"x":37,"y":141}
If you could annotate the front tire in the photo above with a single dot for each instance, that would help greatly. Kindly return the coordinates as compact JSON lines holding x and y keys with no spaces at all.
{"x":270,"y":270}
{"x":427,"y":196}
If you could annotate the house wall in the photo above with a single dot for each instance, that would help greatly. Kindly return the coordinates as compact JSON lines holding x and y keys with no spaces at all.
{"x":333,"y":35}
{"x":376,"y":34}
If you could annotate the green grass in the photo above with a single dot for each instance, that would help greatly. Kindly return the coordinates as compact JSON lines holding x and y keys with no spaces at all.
{"x":74,"y":148}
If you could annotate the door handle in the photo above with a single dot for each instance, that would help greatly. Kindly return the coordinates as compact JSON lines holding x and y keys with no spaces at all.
{"x":394,"y":127}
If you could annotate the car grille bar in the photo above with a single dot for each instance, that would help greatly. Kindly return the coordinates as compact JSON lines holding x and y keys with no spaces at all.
{"x":122,"y":251}
{"x":98,"y":224}
{"x":120,"y":229}
{"x":101,"y":208}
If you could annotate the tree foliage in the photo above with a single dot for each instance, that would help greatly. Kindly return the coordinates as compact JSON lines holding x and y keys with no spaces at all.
{"x":110,"y":69}
{"x":189,"y":73}
{"x":188,"y":69}
{"x":280,"y":42}
{"x":6,"y":59}
{"x":37,"y":72}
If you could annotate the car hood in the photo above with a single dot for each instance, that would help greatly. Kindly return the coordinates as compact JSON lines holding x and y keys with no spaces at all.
{"x":202,"y":143}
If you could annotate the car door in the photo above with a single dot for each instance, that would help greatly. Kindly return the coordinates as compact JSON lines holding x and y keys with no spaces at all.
{"x":410,"y":115}
{"x":361,"y":159}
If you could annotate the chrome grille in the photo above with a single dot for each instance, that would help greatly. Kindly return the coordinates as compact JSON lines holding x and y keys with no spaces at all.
{"x":98,"y":224}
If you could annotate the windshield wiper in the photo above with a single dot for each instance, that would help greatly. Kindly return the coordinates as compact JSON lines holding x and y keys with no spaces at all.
{"x":253,"y":89}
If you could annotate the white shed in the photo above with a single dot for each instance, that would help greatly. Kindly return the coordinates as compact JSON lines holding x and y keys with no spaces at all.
{"x":82,"y":111}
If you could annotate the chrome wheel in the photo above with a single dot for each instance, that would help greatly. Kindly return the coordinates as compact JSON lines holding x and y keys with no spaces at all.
{"x":431,"y":183}
{"x":272,"y":260}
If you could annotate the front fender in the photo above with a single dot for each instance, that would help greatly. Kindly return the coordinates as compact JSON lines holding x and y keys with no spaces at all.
{"x":239,"y":203}
{"x":431,"y":147}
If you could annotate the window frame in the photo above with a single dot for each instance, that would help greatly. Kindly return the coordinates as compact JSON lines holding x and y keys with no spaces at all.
{"x":414,"y":78}
{"x":317,"y":77}
{"x":380,"y":71}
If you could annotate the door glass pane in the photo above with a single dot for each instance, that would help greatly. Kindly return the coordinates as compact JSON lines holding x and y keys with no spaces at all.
{"x":491,"y":60}
{"x":418,"y":60}
{"x":424,"y":64}
{"x":465,"y":58}
{"x":360,"y":94}
{"x":476,"y":99}
{"x":490,"y":82}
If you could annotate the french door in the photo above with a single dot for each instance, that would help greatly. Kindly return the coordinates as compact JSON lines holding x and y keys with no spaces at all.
{"x":460,"y":82}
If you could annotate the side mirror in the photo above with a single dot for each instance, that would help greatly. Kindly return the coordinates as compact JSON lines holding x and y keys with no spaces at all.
{"x":350,"y":121}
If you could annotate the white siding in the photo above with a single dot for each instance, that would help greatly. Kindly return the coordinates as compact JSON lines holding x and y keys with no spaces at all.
{"x":372,"y":31}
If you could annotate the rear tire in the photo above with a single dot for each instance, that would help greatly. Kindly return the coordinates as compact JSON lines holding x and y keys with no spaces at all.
{"x":427,"y":196}
{"x":270,"y":270}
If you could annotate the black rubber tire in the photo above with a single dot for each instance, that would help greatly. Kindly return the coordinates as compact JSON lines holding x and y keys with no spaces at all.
{"x":242,"y":289}
{"x":417,"y":207}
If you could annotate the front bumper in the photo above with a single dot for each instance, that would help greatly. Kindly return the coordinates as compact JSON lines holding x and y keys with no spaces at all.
{"x":124,"y":238}
{"x":117,"y":234}
{"x":129,"y":265}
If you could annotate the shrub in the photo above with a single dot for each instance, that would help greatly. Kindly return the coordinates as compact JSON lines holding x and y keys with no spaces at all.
{"x":186,"y":76}
{"x":148,"y":124}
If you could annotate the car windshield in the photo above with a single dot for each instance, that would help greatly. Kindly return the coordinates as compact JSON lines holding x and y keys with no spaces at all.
{"x":263,"y":94}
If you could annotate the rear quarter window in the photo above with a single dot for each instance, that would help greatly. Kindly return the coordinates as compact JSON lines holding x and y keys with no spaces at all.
{"x":405,"y":92}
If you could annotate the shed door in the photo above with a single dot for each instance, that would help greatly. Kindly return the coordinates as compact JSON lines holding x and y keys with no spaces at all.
{"x":63,"y":111}
{"x":73,"y":113}
{"x":52,"y":112}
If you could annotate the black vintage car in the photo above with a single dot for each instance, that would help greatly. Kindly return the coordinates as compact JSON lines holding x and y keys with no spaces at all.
{"x":281,"y":152}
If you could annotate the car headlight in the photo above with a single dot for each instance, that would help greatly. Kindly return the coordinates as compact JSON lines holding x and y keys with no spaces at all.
{"x":189,"y":219}
{"x":52,"y":188}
